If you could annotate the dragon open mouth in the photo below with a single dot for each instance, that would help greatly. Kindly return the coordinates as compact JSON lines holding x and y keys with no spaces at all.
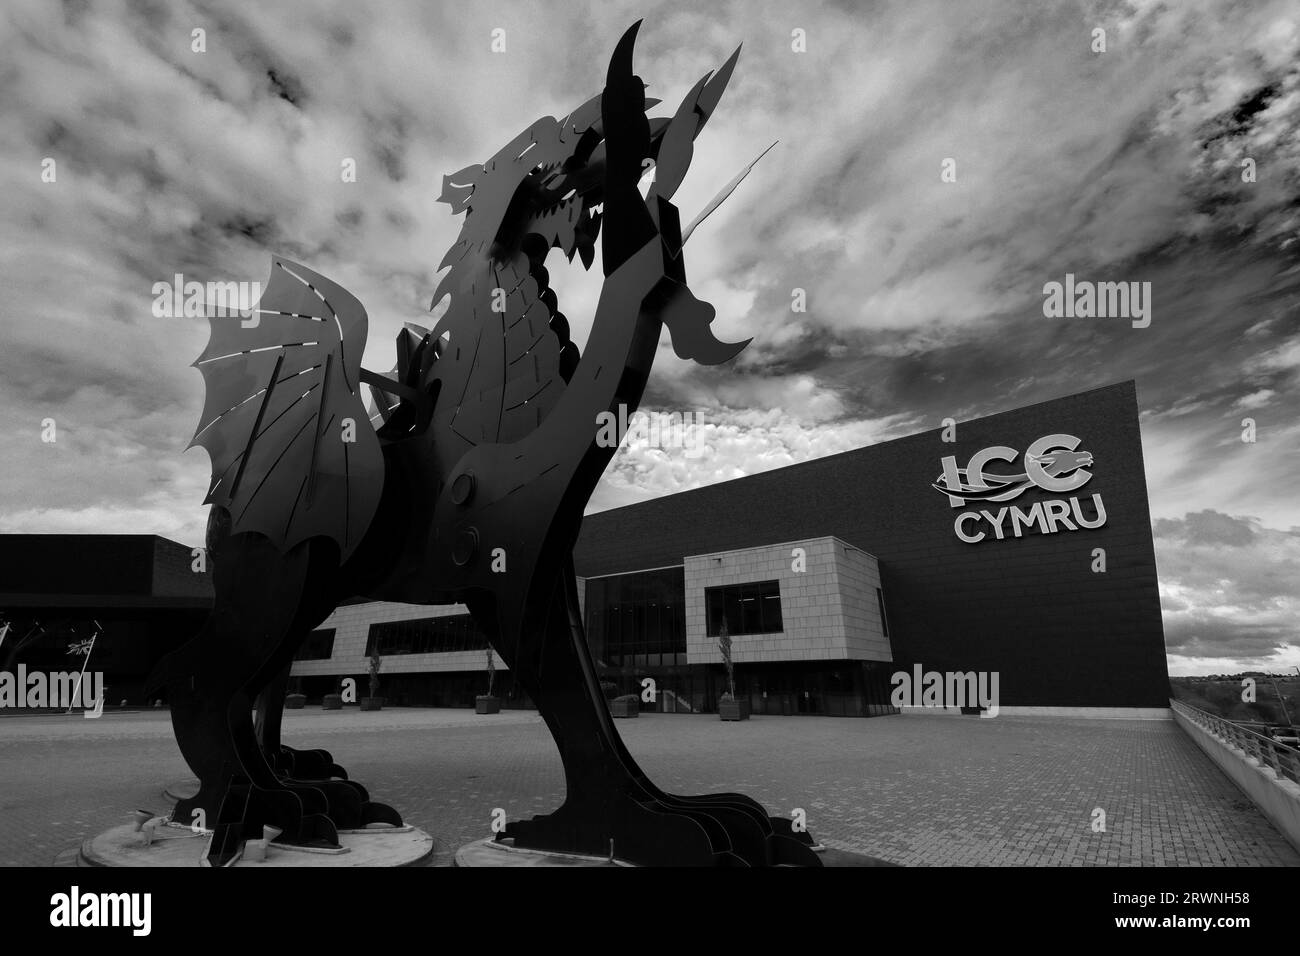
{"x":553,"y":209}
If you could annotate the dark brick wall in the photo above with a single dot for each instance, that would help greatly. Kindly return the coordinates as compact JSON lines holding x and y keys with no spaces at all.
{"x":124,"y":567}
{"x":1029,"y":608}
{"x":174,"y":574}
{"x":76,"y":564}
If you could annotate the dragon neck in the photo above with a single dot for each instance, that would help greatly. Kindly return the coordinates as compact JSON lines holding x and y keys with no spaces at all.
{"x":624,"y":338}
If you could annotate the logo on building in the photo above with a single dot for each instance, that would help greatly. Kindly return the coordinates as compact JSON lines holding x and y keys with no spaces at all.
{"x":1053,"y":463}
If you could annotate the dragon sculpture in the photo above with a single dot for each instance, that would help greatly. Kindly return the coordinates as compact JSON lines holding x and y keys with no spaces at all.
{"x":482,"y":442}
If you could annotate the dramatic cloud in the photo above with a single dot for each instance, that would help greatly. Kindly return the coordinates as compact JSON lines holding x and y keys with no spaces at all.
{"x":880,"y":297}
{"x":1228,"y":586}
{"x":723,"y":443}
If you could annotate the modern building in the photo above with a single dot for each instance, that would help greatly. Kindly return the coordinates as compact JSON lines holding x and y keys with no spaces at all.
{"x":109,"y":603}
{"x":1014,"y":549}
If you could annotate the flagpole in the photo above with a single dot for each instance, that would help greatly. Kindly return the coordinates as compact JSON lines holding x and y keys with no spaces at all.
{"x":82,"y":676}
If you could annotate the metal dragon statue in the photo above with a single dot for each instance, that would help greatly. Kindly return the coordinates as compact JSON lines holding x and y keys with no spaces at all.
{"x":483,"y":438}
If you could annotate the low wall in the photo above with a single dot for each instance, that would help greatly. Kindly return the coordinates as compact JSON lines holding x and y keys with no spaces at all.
{"x":1277,"y":797}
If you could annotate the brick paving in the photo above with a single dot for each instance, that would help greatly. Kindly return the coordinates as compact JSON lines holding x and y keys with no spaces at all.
{"x":916,"y":789}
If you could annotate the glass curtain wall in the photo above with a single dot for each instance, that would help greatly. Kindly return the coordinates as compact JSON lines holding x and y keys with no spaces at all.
{"x":426,"y":635}
{"x":638,"y":619}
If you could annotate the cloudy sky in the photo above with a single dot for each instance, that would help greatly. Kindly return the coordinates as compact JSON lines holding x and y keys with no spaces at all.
{"x":924,"y":297}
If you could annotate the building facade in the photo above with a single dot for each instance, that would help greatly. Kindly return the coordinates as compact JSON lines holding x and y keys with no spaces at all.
{"x":111,"y":604}
{"x":1017,"y":547}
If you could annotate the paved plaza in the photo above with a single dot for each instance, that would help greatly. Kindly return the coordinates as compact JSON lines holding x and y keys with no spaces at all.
{"x":916,"y":790}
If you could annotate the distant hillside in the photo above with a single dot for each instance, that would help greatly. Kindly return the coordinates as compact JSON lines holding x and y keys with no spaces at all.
{"x":1222,"y":696}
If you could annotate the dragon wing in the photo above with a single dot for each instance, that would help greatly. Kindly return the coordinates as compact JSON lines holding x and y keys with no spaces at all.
{"x":294,"y":455}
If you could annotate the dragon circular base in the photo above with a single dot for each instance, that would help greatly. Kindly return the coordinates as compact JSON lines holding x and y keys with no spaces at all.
{"x":173,"y":846}
{"x":494,"y":853}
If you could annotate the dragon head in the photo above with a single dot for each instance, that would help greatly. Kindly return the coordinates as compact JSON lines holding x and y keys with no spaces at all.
{"x":544,"y":185}
{"x":557,"y":182}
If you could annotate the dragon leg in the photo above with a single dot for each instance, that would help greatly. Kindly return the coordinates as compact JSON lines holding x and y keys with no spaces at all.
{"x":349,"y":803}
{"x":286,"y":761}
{"x":610,"y":804}
{"x":211,"y":682}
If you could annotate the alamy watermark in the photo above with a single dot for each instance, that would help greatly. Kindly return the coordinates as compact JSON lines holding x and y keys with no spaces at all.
{"x":655,"y":429}
{"x":940,"y":689}
{"x":61,"y":689}
{"x":1082,"y":299}
{"x":195,"y":300}
{"x":74,"y":908}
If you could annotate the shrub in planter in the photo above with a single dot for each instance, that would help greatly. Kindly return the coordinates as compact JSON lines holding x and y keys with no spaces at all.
{"x":295,"y":701}
{"x":332,"y":702}
{"x":374,"y":701}
{"x":487,"y":703}
{"x":608,"y":690}
{"x":629,"y":705}
{"x":731,"y":708}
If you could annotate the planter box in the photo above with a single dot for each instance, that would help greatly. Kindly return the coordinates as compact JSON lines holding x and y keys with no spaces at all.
{"x":625,"y":707}
{"x":487,"y":705}
{"x":372,"y":703}
{"x":733,"y":709}
{"x":295,"y":701}
{"x":332,"y":702}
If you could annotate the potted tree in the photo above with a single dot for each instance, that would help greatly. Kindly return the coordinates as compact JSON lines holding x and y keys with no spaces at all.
{"x":333,"y":701}
{"x":729,"y":708}
{"x":487,"y":703}
{"x":295,"y":699}
{"x":374,"y":701}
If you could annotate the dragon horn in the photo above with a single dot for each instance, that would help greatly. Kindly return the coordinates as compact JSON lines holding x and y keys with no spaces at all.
{"x":708,"y":100}
{"x":675,"y":147}
{"x":628,"y":226}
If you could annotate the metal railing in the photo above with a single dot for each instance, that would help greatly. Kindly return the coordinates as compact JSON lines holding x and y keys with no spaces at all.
{"x":1282,"y":759}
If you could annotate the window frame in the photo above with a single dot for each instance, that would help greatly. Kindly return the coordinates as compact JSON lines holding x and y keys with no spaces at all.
{"x":747,"y":607}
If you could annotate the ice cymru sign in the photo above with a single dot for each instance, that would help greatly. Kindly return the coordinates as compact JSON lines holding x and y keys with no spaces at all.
{"x":1053,"y":463}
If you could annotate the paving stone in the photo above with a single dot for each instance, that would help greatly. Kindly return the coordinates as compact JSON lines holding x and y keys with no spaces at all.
{"x":917,"y":789}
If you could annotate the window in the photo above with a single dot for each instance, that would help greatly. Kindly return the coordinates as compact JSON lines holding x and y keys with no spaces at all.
{"x":426,"y":635}
{"x":319,"y":646}
{"x":638,"y":619}
{"x":884,"y":621}
{"x":746,"y":608}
